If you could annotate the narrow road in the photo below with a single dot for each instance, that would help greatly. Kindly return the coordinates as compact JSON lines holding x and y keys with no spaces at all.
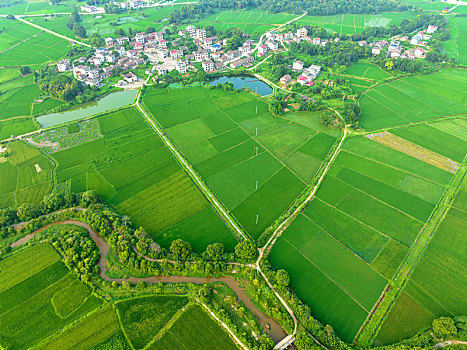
{"x":218,"y":206}
{"x":52,"y":32}
{"x":449,"y":342}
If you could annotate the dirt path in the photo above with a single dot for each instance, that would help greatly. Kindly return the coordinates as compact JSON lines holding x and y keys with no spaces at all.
{"x":449,"y":342}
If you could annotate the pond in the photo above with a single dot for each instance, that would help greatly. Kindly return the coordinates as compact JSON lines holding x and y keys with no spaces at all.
{"x":109,"y":102}
{"x":258,"y":86}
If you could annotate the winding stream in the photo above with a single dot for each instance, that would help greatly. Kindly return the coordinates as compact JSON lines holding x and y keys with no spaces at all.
{"x":270,"y":326}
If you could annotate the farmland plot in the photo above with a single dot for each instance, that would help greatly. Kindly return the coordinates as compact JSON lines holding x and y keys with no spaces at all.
{"x":439,"y":280}
{"x":254,"y":162}
{"x":128,"y":165}
{"x":22,"y":44}
{"x":25,"y":175}
{"x":39,"y":297}
{"x":194,"y":330}
{"x":414,"y":99}
{"x":358,"y":229}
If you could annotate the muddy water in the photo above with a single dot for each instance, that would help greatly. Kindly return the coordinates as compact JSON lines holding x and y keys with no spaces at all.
{"x":269,"y":325}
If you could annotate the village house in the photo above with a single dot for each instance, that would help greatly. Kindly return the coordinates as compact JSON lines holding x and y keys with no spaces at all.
{"x":297,"y":65}
{"x":201,"y":55}
{"x":273,"y":45}
{"x":120,"y":50}
{"x":162,"y":53}
{"x":191,"y":30}
{"x":162,"y":44}
{"x":263,"y":50}
{"x":161,"y":70}
{"x":121,"y":41}
{"x":362,"y":43}
{"x":200,"y":33}
{"x":174,"y":54}
{"x":376,"y":50}
{"x":130,"y":77}
{"x":312,"y":71}
{"x":219,"y":66}
{"x":140,"y":38}
{"x":63,"y":65}
{"x":303,"y":79}
{"x":181,"y":66}
{"x":215,"y":48}
{"x":242,"y":62}
{"x":109,"y":41}
{"x":431,"y":29}
{"x":244,"y":50}
{"x":207,"y":42}
{"x":302,"y":32}
{"x":208,"y":66}
{"x":416,"y":39}
{"x":286,"y":79}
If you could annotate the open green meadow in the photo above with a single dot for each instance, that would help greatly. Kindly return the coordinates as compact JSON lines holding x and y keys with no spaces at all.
{"x":21,"y":181}
{"x":21,"y":44}
{"x":438,"y":282}
{"x":456,"y":46}
{"x":194,"y":330}
{"x":38,"y":297}
{"x":350,"y":240}
{"x":250,"y":21}
{"x":256,"y":163}
{"x":127,"y":164}
{"x":355,"y":23}
{"x":415,"y":98}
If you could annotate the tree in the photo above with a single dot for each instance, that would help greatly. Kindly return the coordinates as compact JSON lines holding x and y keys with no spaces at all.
{"x":7,"y":217}
{"x":119,"y":32}
{"x":150,"y":29}
{"x":62,"y":87}
{"x":25,"y":70}
{"x":215,"y":251}
{"x":282,"y":278}
{"x":175,"y":17}
{"x":27,"y":211}
{"x":444,"y":327}
{"x":180,"y":249}
{"x":233,"y":42}
{"x":89,"y":197}
{"x":10,"y":17}
{"x":246,"y":250}
{"x":389,"y":65}
{"x":79,"y":30}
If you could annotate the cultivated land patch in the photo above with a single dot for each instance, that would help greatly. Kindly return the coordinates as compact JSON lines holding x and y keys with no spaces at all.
{"x":348,"y":243}
{"x":255,"y":162}
{"x":414,"y":99}
{"x":21,"y":44}
{"x":411,"y":149}
{"x":367,"y":71}
{"x":17,"y":98}
{"x":120,"y":157}
{"x":39,"y":297}
{"x":248,"y":21}
{"x":20,"y":182}
{"x":439,"y":279}
{"x":456,"y":46}
{"x":193,"y":330}
{"x":350,"y":23}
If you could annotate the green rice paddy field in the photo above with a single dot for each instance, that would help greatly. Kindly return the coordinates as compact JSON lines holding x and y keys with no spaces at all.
{"x":439,"y":280}
{"x":21,"y":44}
{"x":349,"y":23}
{"x":35,"y":291}
{"x":415,"y":98}
{"x":351,"y":239}
{"x":20,"y":182}
{"x":255,"y":163}
{"x":44,"y":306}
{"x":456,"y":46}
{"x":248,"y":21}
{"x":129,"y":166}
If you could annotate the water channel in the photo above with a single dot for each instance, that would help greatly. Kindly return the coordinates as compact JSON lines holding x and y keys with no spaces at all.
{"x":106,"y":103}
{"x":270,"y":326}
{"x":240,"y":82}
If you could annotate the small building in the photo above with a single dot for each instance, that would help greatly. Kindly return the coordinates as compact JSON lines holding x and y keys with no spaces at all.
{"x":181,"y":66}
{"x":302,"y":32}
{"x":376,"y":50}
{"x":161,"y":70}
{"x":191,"y":29}
{"x":120,"y":51}
{"x":316,"y":41}
{"x":431,"y":29}
{"x":263,"y":50}
{"x":174,"y":54}
{"x":121,"y":41}
{"x":201,"y":55}
{"x":297,"y":65}
{"x":286,"y":79}
{"x":208,"y":66}
{"x":273,"y":45}
{"x":140,"y":38}
{"x":109,"y":41}
{"x":63,"y":65}
{"x":162,"y":53}
{"x":200,"y":33}
{"x":130,"y":77}
{"x":162,"y":44}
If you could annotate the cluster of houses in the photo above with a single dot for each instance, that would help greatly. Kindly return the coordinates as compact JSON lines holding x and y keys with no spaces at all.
{"x":306,"y":77}
{"x":395,"y":50}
